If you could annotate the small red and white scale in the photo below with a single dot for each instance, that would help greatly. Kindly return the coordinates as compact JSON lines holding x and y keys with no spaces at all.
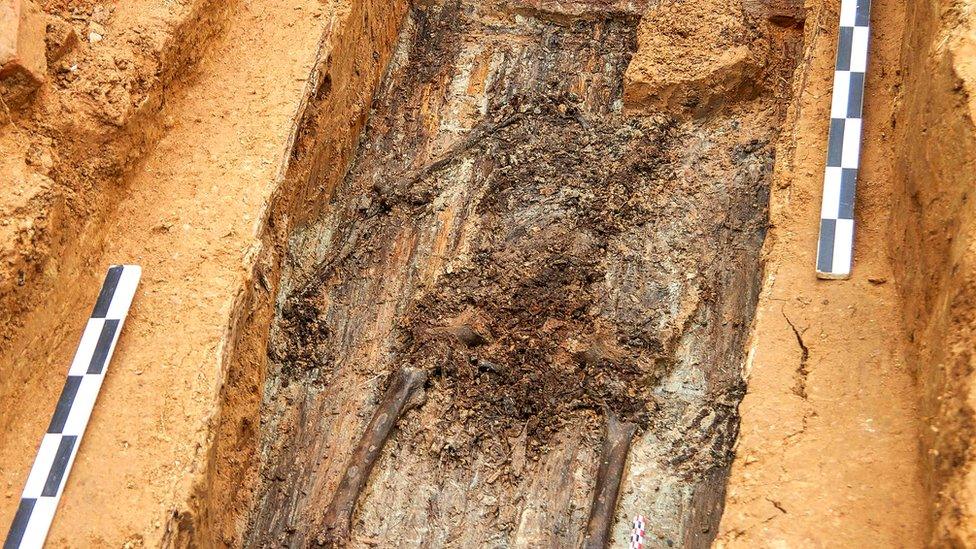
{"x":637,"y":535}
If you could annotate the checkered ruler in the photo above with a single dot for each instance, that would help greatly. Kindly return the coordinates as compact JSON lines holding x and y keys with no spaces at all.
{"x":60,"y":444}
{"x":637,"y":534}
{"x":835,"y":247}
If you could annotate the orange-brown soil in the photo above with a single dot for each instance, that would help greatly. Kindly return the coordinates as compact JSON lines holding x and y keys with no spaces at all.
{"x":206,"y":141}
{"x":932,"y":243}
{"x":828,"y":440}
{"x":110,"y":67}
{"x":857,"y":427}
{"x":185,"y":198}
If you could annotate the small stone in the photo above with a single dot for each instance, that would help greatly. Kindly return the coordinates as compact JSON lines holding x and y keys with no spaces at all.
{"x":39,"y":157}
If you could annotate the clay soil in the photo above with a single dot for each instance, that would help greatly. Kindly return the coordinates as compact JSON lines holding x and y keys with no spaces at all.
{"x":579,"y":229}
{"x":831,"y":359}
{"x":185,"y":210}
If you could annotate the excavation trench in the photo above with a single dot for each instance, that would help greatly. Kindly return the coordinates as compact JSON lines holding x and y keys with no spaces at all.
{"x":512,"y":269}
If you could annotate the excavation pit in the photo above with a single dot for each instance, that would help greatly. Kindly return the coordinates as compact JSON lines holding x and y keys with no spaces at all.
{"x":551,"y":260}
{"x":493,"y":273}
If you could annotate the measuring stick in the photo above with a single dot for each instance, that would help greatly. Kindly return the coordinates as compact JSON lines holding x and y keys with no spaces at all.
{"x":60,"y":444}
{"x":836,"y":244}
{"x":637,"y":533}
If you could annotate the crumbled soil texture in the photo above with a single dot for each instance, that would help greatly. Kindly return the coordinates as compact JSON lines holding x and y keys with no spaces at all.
{"x":520,"y":335}
{"x":545,"y":257}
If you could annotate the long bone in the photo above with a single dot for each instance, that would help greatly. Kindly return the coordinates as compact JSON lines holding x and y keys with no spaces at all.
{"x":613,"y":458}
{"x":398,"y":399}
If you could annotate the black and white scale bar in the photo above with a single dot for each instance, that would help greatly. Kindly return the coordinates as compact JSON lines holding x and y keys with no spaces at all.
{"x":836,"y":243}
{"x":60,"y":444}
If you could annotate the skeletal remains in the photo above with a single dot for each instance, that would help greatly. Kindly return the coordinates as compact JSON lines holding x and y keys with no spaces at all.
{"x":405,"y":391}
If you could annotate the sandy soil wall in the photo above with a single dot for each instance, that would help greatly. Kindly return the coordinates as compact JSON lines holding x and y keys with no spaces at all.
{"x":828,"y":445}
{"x":191,"y":212}
{"x":65,"y":152}
{"x":934,"y":249}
